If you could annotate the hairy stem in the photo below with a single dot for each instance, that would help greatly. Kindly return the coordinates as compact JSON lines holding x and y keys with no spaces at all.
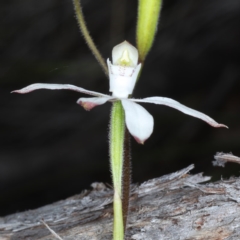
{"x":126,"y":177}
{"x":117,"y":130}
{"x":86,"y":35}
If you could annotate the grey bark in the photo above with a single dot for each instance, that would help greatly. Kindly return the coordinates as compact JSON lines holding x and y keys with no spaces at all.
{"x":174,"y":206}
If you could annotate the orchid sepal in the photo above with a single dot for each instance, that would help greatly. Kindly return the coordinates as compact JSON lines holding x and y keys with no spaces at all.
{"x":189,"y":111}
{"x":140,"y":127}
{"x":138,"y":120}
{"x":53,"y":86}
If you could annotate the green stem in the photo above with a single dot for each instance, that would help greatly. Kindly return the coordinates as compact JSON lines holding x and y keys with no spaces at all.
{"x":86,"y":35}
{"x":117,"y":130}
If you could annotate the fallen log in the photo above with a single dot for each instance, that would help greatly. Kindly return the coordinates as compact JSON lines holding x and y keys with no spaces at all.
{"x":175,"y":206}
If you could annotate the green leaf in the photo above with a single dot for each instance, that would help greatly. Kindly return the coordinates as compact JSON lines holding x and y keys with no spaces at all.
{"x":148,"y":15}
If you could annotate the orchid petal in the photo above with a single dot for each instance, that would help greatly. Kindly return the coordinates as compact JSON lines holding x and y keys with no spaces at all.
{"x":174,"y":104}
{"x":90,"y":103}
{"x":138,"y":120}
{"x":37,"y":86}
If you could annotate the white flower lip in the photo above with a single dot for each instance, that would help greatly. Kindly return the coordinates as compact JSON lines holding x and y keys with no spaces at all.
{"x":139,"y":122}
{"x":123,"y":71}
{"x":122,"y":80}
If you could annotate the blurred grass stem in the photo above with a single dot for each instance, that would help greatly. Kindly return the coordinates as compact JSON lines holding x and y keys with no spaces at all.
{"x":86,"y":35}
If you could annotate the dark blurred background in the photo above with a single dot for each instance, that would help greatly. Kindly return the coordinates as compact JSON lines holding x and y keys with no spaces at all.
{"x":51,"y":149}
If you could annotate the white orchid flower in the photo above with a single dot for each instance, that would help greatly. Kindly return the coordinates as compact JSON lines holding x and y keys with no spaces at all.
{"x":123,"y":73}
